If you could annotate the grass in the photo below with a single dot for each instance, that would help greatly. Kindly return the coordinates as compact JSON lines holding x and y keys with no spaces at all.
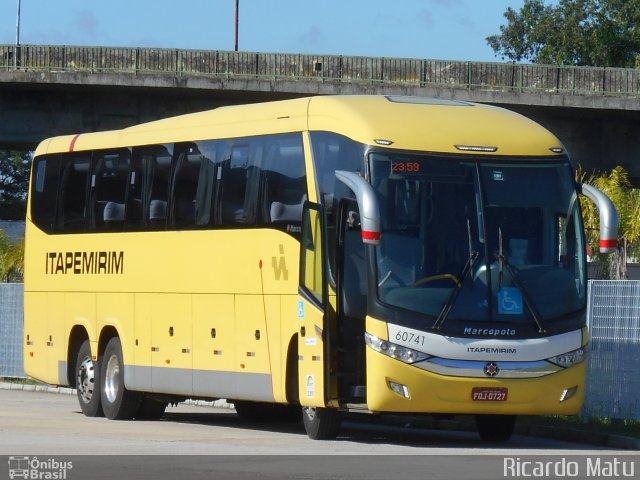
{"x":594,"y":425}
{"x":20,"y":381}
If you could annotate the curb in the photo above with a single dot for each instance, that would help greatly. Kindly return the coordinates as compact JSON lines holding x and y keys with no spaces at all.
{"x":72,"y":391}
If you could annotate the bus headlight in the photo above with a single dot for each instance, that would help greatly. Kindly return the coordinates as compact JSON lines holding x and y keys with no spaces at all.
{"x":404,"y":354}
{"x":569,"y":359}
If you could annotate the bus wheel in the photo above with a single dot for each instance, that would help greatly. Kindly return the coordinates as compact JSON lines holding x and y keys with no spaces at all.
{"x":88,"y":382}
{"x":118,"y":403}
{"x":150,"y":409}
{"x":495,"y":428}
{"x":321,"y":423}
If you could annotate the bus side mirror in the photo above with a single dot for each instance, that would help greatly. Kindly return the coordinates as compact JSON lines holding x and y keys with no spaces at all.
{"x":367,"y":204}
{"x":608,"y":218}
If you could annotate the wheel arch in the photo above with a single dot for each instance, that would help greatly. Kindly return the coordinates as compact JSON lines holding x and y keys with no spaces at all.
{"x":291,"y":375}
{"x":106,"y":334}
{"x":77,"y":336}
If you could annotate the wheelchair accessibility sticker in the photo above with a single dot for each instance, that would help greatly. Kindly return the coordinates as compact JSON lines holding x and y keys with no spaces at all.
{"x":510,"y":301}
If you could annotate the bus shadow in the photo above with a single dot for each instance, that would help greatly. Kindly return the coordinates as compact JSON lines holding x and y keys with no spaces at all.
{"x":380,"y":431}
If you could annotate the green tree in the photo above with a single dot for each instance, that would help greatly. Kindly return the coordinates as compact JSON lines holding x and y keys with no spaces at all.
{"x":602,"y":33}
{"x":617,"y":186}
{"x":11,"y":259}
{"x":14,"y":184}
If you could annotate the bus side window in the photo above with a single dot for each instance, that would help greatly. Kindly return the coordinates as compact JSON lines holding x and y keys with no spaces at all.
{"x":44,"y":191}
{"x":108,"y":189}
{"x":284,"y":183}
{"x":149,"y":188}
{"x":72,"y":196}
{"x":206,"y":190}
{"x":238,"y":183}
{"x":192,"y":187}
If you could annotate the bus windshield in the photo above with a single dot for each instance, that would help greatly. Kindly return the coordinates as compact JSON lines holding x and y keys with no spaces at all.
{"x":479,"y":241}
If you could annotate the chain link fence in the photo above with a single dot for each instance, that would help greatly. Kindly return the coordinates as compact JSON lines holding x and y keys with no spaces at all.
{"x":11,"y":328}
{"x":613,"y":315}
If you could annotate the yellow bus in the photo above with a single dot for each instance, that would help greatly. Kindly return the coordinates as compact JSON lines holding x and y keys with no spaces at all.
{"x":313,"y":257}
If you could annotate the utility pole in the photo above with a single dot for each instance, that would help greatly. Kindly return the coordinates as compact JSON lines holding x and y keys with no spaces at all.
{"x":18,"y":25}
{"x":16,"y":53}
{"x":237,"y":21}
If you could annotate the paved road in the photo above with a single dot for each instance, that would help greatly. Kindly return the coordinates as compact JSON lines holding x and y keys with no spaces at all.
{"x":45,"y":425}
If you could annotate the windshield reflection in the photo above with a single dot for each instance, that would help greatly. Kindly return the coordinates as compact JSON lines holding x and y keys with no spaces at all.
{"x":479,"y":241}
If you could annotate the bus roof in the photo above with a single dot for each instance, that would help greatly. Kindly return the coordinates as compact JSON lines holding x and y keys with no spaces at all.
{"x":409,"y":123}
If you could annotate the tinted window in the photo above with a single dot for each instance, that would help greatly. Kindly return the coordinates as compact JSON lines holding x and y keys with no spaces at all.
{"x":149,"y":188}
{"x":108,"y":190}
{"x":44,"y":192}
{"x":217,"y":183}
{"x":72,"y":198}
{"x":194,"y":185}
{"x":239,"y":181}
{"x":284,"y":184}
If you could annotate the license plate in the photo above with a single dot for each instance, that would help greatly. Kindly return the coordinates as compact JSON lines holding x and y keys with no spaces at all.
{"x":489,"y":394}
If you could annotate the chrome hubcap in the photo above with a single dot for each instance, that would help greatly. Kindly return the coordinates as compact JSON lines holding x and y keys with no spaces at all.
{"x":85,"y":381}
{"x":310,"y":412}
{"x":112,"y":378}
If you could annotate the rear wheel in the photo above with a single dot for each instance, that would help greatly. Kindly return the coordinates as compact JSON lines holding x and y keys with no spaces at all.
{"x":495,"y":428}
{"x":118,"y":403}
{"x":88,"y":382}
{"x":321,"y":423}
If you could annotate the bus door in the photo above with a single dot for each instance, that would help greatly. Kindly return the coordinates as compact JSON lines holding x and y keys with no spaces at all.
{"x":351,"y":305}
{"x":314,"y":332}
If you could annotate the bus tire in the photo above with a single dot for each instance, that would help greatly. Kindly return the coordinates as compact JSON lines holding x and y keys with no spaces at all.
{"x":150,"y":409}
{"x":495,"y":428}
{"x":87,"y":374}
{"x":118,"y":403}
{"x":321,"y":423}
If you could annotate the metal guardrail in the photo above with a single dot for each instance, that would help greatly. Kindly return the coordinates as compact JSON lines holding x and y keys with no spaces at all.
{"x":613,"y":314}
{"x":549,"y":79}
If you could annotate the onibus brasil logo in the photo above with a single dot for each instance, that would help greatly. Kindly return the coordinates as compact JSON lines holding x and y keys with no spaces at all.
{"x":38,"y":469}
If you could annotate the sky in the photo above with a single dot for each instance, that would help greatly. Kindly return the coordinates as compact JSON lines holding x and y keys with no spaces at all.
{"x":429,"y":29}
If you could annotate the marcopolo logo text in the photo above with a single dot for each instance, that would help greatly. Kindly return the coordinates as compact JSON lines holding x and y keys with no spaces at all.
{"x":496,"y":332}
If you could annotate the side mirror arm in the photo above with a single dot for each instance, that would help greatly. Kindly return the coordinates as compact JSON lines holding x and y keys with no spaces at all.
{"x":367,"y":203}
{"x":608,"y":218}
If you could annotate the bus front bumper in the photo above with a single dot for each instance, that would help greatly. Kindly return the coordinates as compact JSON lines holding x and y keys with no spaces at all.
{"x":394,"y":386}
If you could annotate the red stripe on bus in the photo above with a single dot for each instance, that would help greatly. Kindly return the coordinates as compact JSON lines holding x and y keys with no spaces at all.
{"x":367,"y":235}
{"x":73,"y":143}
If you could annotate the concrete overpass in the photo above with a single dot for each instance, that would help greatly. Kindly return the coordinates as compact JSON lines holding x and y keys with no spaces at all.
{"x":52,"y":90}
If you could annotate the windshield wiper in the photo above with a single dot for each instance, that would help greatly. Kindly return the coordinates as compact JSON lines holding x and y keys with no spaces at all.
{"x":516,"y":281}
{"x":464,"y":273}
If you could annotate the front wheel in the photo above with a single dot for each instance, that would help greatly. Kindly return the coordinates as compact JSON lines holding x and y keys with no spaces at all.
{"x":321,"y":423}
{"x":495,"y":428}
{"x":88,"y":382}
{"x":118,"y":403}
